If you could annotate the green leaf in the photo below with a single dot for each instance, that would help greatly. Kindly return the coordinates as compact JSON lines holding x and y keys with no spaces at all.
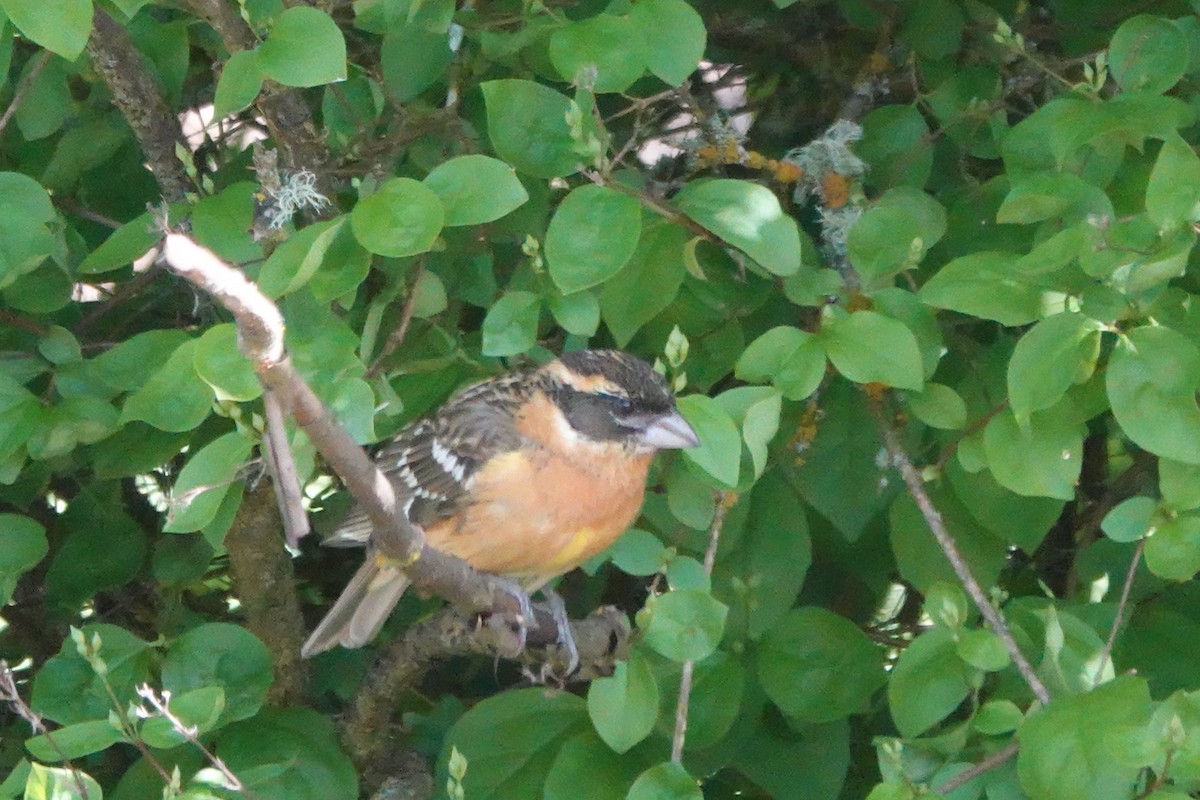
{"x":25,"y":227}
{"x":592,"y":235}
{"x":983,"y":650}
{"x":791,"y":359}
{"x":288,"y":754}
{"x":61,"y":783}
{"x":640,"y":552}
{"x":132,"y":362}
{"x":304,"y":48}
{"x":685,"y":572}
{"x":74,"y":741}
{"x":204,"y":482}
{"x":1057,"y":352}
{"x":578,"y":313}
{"x":23,"y":545}
{"x":1148,"y":54}
{"x":103,"y":548}
{"x":222,"y":655}
{"x":1179,"y":484}
{"x":675,"y":37}
{"x":530,"y":723}
{"x":748,"y":217}
{"x":1130,"y":520}
{"x":894,"y":234}
{"x":47,"y":101}
{"x":666,"y":781}
{"x":1049,"y":195}
{"x":403,"y":218}
{"x":1173,"y":552}
{"x":1174,"y":188}
{"x":685,"y":624}
{"x":939,"y":406}
{"x":412,"y":59}
{"x":1152,"y":381}
{"x":240,"y":82}
{"x":127,"y":243}
{"x":897,"y":145}
{"x":605,"y":53}
{"x":585,"y":768}
{"x":1063,"y":758}
{"x":174,"y":398}
{"x":510,"y":326}
{"x":219,"y":363}
{"x":720,"y":452}
{"x":67,"y":690}
{"x":996,"y":717}
{"x":928,"y":682}
{"x":476,"y":189}
{"x":987,"y":285}
{"x":527,"y":125}
{"x":818,"y":666}
{"x":648,"y":283}
{"x":867,"y":347}
{"x":624,"y":707}
{"x":199,"y":709}
{"x":62,"y":27}
{"x":1040,"y":459}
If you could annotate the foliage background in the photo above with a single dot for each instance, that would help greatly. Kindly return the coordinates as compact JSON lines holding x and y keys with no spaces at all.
{"x":991,"y":279}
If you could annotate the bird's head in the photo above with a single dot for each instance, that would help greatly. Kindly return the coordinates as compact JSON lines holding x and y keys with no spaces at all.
{"x":612,"y":397}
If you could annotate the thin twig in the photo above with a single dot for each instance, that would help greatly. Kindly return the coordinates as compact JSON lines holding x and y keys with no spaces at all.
{"x":916,"y":489}
{"x":987,"y":765}
{"x":39,"y":64}
{"x":10,"y":694}
{"x":288,"y":492}
{"x":1118,"y":620}
{"x":685,"y":678}
{"x":397,"y":337}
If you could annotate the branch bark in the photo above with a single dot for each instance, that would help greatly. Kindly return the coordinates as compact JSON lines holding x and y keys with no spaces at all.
{"x":136,"y":94}
{"x":916,"y":489}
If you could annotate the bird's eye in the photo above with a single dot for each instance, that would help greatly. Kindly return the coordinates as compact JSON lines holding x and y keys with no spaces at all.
{"x":620,"y":404}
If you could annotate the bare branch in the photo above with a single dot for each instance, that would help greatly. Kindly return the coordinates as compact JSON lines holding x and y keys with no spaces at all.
{"x":260,"y":338}
{"x":136,"y":94}
{"x":1119,"y":619}
{"x":724,"y":501}
{"x":987,"y":765}
{"x":916,"y":489}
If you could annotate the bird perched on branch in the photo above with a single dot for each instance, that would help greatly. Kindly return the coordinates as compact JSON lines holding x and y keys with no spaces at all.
{"x":526,"y":475}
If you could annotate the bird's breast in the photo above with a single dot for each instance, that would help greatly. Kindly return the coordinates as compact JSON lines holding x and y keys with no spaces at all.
{"x":537,"y":513}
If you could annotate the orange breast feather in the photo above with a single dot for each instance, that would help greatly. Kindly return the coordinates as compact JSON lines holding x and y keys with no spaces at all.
{"x":539,"y":512}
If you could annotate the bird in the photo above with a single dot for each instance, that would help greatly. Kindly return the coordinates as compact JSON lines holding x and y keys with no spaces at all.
{"x":525,"y":475}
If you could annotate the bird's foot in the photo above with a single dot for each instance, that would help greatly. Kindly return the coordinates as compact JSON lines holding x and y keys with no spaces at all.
{"x":563,"y":636}
{"x":524,"y":615}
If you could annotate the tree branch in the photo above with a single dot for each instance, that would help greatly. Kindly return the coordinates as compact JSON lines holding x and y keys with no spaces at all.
{"x":260,"y":339}
{"x":916,"y":489}
{"x":264,"y":581}
{"x":987,"y":765}
{"x":724,"y":500}
{"x":602,"y":639}
{"x":136,"y":94}
{"x":288,"y":118}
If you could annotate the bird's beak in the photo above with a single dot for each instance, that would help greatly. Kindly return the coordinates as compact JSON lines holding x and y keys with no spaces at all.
{"x":669,"y":432}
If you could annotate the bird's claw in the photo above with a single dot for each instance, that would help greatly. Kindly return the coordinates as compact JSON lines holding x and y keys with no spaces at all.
{"x":562,"y":624}
{"x":524,"y":610}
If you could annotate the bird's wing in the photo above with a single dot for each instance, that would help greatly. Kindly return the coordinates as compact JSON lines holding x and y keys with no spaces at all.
{"x":432,"y":461}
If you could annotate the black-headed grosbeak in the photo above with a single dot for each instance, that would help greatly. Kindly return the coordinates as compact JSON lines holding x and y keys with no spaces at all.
{"x":525,"y":475}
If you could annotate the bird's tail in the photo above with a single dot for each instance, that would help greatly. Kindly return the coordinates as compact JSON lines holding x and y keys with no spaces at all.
{"x":362,"y":608}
